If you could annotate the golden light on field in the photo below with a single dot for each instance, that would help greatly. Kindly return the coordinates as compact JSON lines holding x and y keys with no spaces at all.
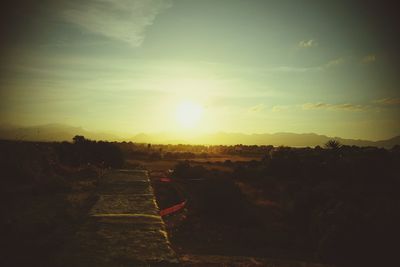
{"x":188,"y":114}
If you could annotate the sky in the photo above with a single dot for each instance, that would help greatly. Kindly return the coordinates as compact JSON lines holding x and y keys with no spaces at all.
{"x":186,"y":66}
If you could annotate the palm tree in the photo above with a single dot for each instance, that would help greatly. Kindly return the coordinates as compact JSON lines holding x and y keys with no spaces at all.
{"x":333,"y":144}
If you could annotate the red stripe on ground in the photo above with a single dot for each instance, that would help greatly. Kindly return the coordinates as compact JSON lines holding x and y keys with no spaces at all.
{"x":172,"y":209}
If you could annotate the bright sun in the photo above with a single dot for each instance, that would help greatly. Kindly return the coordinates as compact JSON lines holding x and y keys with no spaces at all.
{"x":188,"y":114}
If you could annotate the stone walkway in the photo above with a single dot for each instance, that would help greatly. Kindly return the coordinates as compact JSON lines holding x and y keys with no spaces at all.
{"x":124,"y":228}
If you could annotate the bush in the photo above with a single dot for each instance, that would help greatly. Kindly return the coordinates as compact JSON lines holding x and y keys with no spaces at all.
{"x":83,"y":152}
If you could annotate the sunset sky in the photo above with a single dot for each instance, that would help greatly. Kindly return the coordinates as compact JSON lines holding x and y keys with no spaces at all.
{"x":131,"y":66}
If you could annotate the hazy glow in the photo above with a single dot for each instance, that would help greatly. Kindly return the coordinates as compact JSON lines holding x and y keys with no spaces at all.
{"x":148,"y":66}
{"x":188,"y":114}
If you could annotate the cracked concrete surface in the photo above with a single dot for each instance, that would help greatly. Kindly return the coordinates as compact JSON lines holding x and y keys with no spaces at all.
{"x":124,"y":227}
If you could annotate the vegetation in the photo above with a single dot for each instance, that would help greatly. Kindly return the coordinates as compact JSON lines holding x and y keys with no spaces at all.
{"x":182,"y":151}
{"x":47,"y":190}
{"x":336,"y":205}
{"x":333,"y":144}
{"x":84,"y":151}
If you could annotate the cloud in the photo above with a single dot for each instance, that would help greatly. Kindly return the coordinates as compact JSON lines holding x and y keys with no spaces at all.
{"x":388,"y":101}
{"x":279,"y":108}
{"x":307,"y":43}
{"x":334,"y":62}
{"x":295,"y":69}
{"x":256,"y":108}
{"x":368,"y":59}
{"x":330,"y":64}
{"x":326,"y":106}
{"x":123,"y":20}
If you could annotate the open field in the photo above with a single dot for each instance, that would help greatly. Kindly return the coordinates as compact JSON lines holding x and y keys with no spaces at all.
{"x":299,"y":204}
{"x":288,"y":207}
{"x":162,"y":165}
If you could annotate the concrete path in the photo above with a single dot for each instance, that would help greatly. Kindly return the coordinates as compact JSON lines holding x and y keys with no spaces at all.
{"x":124,"y":228}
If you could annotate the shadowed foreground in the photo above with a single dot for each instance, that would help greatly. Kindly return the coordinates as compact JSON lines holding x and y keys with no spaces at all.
{"x":124,"y":228}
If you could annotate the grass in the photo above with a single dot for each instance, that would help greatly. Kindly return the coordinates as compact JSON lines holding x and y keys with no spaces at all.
{"x":42,"y":204}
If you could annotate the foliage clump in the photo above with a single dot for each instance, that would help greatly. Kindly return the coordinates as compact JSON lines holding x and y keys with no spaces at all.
{"x":337,"y":205}
{"x":85,"y":151}
{"x":333,"y":144}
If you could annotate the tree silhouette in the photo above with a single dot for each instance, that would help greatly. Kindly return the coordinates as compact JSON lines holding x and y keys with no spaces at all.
{"x":333,"y":144}
{"x":79,"y":139}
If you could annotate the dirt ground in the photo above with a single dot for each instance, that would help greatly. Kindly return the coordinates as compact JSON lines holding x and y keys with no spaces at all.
{"x":233,"y":233}
{"x":36,"y":225}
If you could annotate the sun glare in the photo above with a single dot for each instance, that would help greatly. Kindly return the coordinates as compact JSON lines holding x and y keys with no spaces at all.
{"x":188,"y":114}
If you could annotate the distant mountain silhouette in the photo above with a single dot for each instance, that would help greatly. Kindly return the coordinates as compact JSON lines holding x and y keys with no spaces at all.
{"x":61,"y":132}
{"x":50,"y":132}
{"x":276,"y":139}
{"x":389,"y":142}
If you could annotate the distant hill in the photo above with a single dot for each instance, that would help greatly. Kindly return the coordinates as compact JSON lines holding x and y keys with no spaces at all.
{"x":50,"y":132}
{"x":389,"y":142}
{"x":61,"y":132}
{"x":276,"y":139}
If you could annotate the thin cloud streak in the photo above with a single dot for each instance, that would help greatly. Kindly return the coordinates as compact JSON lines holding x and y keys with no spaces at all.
{"x":123,"y":20}
{"x":388,"y":101}
{"x":280,"y":108}
{"x":326,"y":106}
{"x":330,"y":64}
{"x":334,"y":62}
{"x":307,"y":43}
{"x":369,"y":59}
{"x":257,"y":108}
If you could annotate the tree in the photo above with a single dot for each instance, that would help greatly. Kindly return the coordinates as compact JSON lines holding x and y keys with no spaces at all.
{"x":333,"y":144}
{"x":79,"y":139}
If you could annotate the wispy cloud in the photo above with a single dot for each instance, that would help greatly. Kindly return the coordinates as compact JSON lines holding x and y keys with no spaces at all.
{"x":295,"y":69}
{"x":307,"y":43}
{"x":326,"y":106}
{"x":368,"y":59}
{"x":123,"y":20}
{"x":256,"y":108}
{"x":334,"y":63}
{"x":388,"y":101}
{"x":329,"y":64}
{"x":280,"y":108}
{"x":375,"y":105}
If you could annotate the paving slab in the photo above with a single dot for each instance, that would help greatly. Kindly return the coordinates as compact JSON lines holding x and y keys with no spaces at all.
{"x":125,"y":204}
{"x":131,"y":188}
{"x":124,"y":227}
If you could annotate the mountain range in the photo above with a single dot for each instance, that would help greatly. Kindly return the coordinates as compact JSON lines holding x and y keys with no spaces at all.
{"x":61,"y":132}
